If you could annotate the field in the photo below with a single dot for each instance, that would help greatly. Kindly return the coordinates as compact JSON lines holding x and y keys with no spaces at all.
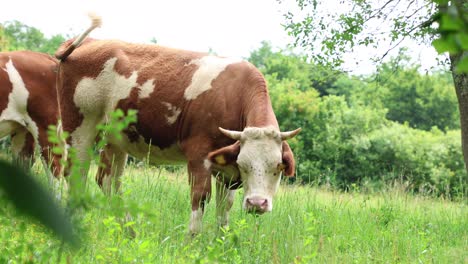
{"x":307,"y":225}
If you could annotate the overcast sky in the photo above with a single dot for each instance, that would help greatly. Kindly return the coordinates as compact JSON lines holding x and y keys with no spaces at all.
{"x":228,"y":27}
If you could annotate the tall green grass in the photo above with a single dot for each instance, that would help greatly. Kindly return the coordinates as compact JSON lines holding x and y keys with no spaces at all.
{"x":307,"y":225}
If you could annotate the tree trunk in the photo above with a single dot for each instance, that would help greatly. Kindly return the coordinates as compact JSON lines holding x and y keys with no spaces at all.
{"x":461,"y":86}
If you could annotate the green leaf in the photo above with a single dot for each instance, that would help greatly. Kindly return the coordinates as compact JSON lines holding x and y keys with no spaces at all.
{"x":450,"y":23}
{"x":445,"y":45}
{"x":131,"y":223}
{"x":463,"y":40}
{"x":440,"y":2}
{"x":57,"y":150}
{"x":30,"y":198}
{"x":462,"y":65}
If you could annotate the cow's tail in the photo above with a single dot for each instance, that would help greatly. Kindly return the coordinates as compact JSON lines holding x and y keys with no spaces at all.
{"x":62,"y":54}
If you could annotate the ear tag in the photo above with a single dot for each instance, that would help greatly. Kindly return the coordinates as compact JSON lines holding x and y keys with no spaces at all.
{"x":220,"y":160}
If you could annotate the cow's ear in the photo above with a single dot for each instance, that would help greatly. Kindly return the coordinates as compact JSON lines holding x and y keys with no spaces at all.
{"x":225,"y":156}
{"x":288,"y":160}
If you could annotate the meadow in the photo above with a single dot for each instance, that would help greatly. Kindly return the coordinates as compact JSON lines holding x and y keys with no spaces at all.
{"x":307,"y":225}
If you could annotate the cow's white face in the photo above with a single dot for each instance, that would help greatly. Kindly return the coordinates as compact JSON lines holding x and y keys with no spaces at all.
{"x":260,"y":158}
{"x":260,"y":162}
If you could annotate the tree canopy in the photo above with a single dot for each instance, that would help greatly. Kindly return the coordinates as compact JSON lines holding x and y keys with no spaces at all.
{"x":15,"y":35}
{"x":328,"y":33}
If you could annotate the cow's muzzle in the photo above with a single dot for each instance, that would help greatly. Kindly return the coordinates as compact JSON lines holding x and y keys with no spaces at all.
{"x":256,"y":205}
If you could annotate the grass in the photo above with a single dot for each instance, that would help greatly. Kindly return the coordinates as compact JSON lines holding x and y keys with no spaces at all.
{"x":307,"y":225}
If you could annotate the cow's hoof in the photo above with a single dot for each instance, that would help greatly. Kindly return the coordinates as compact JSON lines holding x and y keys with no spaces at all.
{"x":190,"y":236}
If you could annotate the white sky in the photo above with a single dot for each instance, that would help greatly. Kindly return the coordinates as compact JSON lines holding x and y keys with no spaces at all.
{"x":228,"y":27}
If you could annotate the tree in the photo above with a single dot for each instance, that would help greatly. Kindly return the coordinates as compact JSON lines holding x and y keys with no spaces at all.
{"x":3,"y":39}
{"x":328,"y":34}
{"x":422,"y":100}
{"x":284,"y":64}
{"x":15,"y":35}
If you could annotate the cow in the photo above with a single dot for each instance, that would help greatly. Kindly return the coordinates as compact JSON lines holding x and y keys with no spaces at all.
{"x":28,"y":104}
{"x":212,"y":113}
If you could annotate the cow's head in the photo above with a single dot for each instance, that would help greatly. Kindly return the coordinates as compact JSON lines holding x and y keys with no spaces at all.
{"x":262,"y":155}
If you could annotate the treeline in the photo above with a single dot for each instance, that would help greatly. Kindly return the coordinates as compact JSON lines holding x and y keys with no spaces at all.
{"x":15,"y":35}
{"x":397,"y":125}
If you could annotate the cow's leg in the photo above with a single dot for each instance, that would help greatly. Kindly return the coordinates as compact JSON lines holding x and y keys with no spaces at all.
{"x":22,"y":147}
{"x":7,"y":127}
{"x":18,"y":139}
{"x":53,"y":163}
{"x":52,"y":159}
{"x":200,"y":183}
{"x":82,"y":141}
{"x":224,"y":200}
{"x":113,"y":163}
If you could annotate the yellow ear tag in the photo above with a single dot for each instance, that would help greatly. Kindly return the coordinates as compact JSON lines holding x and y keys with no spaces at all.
{"x":220,"y":160}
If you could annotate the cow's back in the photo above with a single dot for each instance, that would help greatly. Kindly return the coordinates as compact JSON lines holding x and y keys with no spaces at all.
{"x":110,"y":70}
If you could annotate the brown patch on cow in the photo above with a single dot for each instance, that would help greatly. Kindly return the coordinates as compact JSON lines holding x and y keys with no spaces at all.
{"x":288,"y":160}
{"x":104,"y":168}
{"x":130,"y":103}
{"x":27,"y":152}
{"x":42,"y":101}
{"x":169,"y":89}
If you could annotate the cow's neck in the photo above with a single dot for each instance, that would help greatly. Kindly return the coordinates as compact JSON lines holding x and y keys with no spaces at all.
{"x":258,"y":111}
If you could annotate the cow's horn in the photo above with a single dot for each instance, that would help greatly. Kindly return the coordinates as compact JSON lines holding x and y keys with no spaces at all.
{"x":289,"y":134}
{"x":236,"y":135}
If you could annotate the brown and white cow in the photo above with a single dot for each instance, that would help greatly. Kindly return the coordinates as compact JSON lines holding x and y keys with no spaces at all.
{"x":28,"y":103}
{"x":184,"y":100}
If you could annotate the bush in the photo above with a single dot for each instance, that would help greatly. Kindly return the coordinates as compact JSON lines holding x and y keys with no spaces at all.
{"x":431,"y":161}
{"x":339,"y":140}
{"x":354,"y":145}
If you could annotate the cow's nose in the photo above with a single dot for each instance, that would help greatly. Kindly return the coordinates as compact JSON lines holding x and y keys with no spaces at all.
{"x":257,"y":205}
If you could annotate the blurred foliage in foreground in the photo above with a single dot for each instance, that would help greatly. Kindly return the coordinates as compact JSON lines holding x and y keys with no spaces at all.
{"x":15,"y":35}
{"x":30,"y":198}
